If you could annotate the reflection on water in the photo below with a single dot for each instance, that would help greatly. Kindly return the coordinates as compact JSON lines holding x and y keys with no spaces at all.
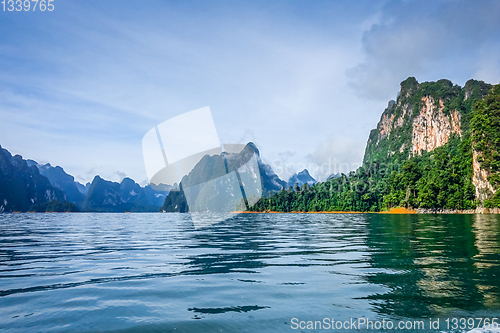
{"x":434,"y":265}
{"x":254,"y":272}
{"x":487,"y":234}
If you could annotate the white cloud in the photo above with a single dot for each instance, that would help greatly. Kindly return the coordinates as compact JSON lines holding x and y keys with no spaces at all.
{"x":336,"y":155}
{"x":430,"y":40}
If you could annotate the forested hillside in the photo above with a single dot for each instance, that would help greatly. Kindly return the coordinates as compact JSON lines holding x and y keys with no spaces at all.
{"x":420,"y":156}
{"x":485,"y":127}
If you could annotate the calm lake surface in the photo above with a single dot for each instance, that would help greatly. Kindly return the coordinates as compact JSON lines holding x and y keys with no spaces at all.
{"x":253,"y":273}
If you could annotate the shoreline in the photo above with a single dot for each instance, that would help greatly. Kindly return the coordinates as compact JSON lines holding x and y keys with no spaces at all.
{"x":394,"y":211}
{"x":397,"y":210}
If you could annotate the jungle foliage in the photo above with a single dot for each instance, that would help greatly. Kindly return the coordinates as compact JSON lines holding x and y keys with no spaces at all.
{"x":485,"y":126}
{"x":391,"y":177}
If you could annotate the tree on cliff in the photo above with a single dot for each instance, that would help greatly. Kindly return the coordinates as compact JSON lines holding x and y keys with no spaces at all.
{"x":485,"y":125}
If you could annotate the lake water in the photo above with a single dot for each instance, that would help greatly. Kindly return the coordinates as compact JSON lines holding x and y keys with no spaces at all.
{"x":253,"y":273}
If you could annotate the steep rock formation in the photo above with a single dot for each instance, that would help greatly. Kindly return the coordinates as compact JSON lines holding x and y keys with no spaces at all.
{"x":431,"y":127}
{"x":108,"y":196}
{"x":22,"y":186}
{"x":484,"y":190}
{"x":58,"y":178}
{"x":384,"y":127}
{"x":423,"y":118}
{"x":485,"y":137}
{"x":427,"y":115}
{"x":270,"y":182}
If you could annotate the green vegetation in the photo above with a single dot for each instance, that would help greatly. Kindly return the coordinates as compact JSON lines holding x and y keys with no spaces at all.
{"x":439,"y":179}
{"x":346,"y":193}
{"x":391,"y":177}
{"x":394,"y":148}
{"x":485,"y":126}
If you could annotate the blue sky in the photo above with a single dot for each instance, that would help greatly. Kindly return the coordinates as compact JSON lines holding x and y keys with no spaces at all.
{"x":304,"y":80}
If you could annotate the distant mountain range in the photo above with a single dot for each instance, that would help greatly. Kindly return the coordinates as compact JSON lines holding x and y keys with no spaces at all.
{"x":108,"y":196}
{"x":301,"y":178}
{"x":61,"y":180}
{"x":333,"y":176}
{"x":22,"y":186}
{"x":26,"y":185}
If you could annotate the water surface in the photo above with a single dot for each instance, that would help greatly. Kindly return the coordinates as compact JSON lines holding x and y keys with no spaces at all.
{"x":253,"y":273}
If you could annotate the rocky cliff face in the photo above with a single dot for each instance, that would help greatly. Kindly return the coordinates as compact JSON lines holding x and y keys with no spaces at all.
{"x":423,"y":118}
{"x":485,"y":139}
{"x":484,"y":190}
{"x":58,"y":178}
{"x":431,"y":127}
{"x":22,"y":186}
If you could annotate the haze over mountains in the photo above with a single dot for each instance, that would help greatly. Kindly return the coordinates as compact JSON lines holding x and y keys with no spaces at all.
{"x":108,"y":196}
{"x":301,"y":178}
{"x":26,"y":185}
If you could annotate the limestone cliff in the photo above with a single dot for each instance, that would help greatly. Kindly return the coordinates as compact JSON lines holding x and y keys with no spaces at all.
{"x":484,"y":190}
{"x":423,"y":118}
{"x":426,"y":115}
{"x":485,"y":140}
